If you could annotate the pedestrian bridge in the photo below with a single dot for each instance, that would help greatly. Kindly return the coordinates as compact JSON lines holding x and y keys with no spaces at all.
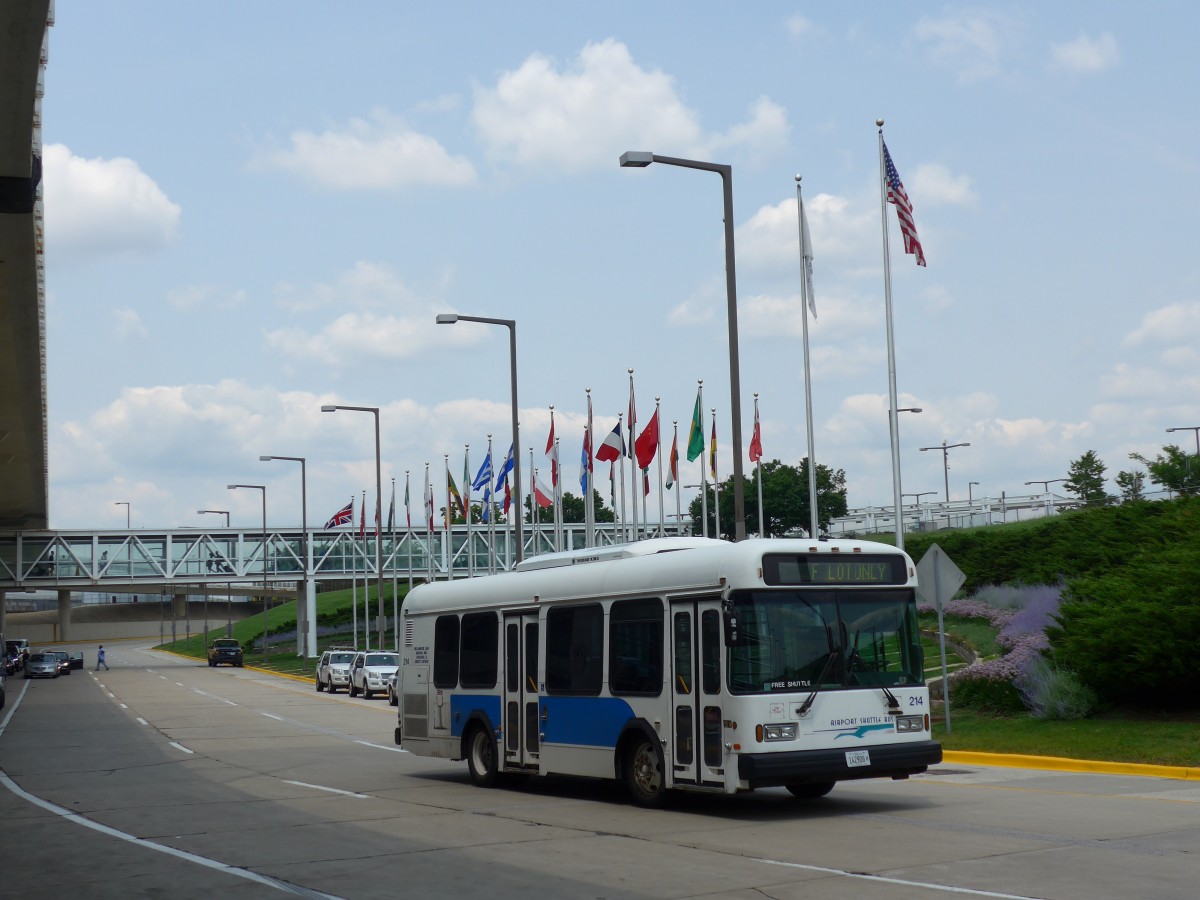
{"x":182,"y":559}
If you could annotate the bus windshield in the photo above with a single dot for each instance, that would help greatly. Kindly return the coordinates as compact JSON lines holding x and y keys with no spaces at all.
{"x":792,"y":640}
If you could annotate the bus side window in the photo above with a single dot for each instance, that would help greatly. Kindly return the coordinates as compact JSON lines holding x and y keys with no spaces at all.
{"x":445,"y":652}
{"x":710,"y":650}
{"x":575,"y":649}
{"x":635,"y":647}
{"x":480,"y":649}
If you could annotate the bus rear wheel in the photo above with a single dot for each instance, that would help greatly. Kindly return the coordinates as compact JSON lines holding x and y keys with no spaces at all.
{"x":810,"y":791}
{"x":481,"y":757}
{"x":643,"y":772}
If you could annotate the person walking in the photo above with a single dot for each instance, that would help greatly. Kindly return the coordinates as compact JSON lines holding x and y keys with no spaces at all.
{"x":100,"y":659}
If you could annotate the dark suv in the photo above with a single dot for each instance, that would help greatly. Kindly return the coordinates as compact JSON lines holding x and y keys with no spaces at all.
{"x":225,"y":650}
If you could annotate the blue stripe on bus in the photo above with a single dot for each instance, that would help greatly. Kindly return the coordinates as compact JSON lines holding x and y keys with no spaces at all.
{"x":587,"y":721}
{"x":462,"y":705}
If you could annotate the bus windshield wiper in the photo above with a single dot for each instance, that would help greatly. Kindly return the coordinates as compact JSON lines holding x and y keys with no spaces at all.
{"x":893,"y":704}
{"x":808,"y":701}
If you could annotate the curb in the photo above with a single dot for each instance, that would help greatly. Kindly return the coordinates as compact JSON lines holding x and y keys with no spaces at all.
{"x":1065,"y":764}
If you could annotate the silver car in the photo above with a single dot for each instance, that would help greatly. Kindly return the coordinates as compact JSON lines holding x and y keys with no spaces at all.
{"x":42,"y":665}
{"x":333,"y":669}
{"x":370,"y":671}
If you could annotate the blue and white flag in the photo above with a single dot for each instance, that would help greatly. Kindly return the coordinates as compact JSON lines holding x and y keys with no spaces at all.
{"x":504,"y":470}
{"x":484,"y":478}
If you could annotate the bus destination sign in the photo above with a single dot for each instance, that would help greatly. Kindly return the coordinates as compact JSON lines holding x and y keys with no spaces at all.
{"x":862,"y":568}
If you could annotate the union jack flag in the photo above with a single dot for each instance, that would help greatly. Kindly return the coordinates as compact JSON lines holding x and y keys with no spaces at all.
{"x":897,"y":196}
{"x":344,"y":516}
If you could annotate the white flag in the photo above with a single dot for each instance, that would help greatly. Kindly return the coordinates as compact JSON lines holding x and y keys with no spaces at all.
{"x":806,"y":255}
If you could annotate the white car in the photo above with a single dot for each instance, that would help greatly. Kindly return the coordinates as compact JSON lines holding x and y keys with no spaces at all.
{"x":333,"y":669}
{"x":370,"y":672}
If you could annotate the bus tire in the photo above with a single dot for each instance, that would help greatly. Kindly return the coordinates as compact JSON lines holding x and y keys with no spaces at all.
{"x":810,"y":791}
{"x":481,"y":757}
{"x":643,"y":771}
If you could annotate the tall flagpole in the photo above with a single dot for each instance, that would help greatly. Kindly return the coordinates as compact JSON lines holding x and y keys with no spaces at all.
{"x":703,"y":466}
{"x":632,"y":454}
{"x":893,"y":415}
{"x":589,"y":509}
{"x":353,"y":577}
{"x":366,"y":584}
{"x":467,"y":505}
{"x":716,"y":481}
{"x":448,"y":550}
{"x":675,"y":477}
{"x":624,"y":518}
{"x":534,"y":515}
{"x":762,"y":532}
{"x":662,"y":518}
{"x":427,"y":502}
{"x":408,"y":527}
{"x":808,"y":303}
{"x":395,"y":601}
{"x":489,"y":500}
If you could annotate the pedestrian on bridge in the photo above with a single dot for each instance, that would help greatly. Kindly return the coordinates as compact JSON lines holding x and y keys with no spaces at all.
{"x":100,"y":659}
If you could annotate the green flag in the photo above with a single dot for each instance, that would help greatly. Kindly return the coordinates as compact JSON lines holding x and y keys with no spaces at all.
{"x":696,"y":435}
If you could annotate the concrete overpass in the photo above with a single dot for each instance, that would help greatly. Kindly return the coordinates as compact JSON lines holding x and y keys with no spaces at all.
{"x":23,"y":467}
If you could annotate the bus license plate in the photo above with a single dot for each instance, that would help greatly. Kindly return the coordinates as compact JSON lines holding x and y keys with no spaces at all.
{"x":858,"y":758}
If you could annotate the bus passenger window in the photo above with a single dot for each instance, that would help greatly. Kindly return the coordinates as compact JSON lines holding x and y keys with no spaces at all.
{"x":480,"y":636}
{"x":683,"y":653}
{"x":635,"y":647}
{"x":710,"y":650}
{"x":445,"y":652}
{"x":575,"y":649}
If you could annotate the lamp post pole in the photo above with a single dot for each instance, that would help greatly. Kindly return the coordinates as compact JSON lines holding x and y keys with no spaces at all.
{"x":1045,"y":483}
{"x":381,"y":624}
{"x":1195,"y":428}
{"x":306,"y":637}
{"x":511,"y":325}
{"x":266,"y":599}
{"x":946,"y":448}
{"x":124,"y":503}
{"x":228,"y":598}
{"x":917,"y":500}
{"x":640,"y":159}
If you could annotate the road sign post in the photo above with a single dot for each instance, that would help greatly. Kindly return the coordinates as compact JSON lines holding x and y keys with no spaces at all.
{"x":938,"y":571}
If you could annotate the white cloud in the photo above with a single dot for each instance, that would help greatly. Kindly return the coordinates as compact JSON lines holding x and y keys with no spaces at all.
{"x":97,"y":207}
{"x":571,"y":119}
{"x":841,"y":231}
{"x":970,"y":43}
{"x":367,"y":285}
{"x":1086,"y":54}
{"x":205,"y":296}
{"x":127,"y":325}
{"x":937,"y":186}
{"x":354,"y":337}
{"x":1176,"y":324}
{"x":380,"y":154}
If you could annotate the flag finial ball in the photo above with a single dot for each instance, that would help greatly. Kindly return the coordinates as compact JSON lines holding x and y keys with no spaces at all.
{"x":798,"y":177}
{"x":879,"y":122}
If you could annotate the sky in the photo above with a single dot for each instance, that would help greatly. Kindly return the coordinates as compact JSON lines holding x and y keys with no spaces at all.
{"x":256,"y":209}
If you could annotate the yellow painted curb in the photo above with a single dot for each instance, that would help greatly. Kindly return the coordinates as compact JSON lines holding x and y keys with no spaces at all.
{"x":200,"y":659}
{"x":1065,"y":764}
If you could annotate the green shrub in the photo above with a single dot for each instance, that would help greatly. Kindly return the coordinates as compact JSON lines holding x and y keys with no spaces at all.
{"x":989,"y":695}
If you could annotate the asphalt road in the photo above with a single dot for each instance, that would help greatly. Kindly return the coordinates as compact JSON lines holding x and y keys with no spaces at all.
{"x":164,"y":778}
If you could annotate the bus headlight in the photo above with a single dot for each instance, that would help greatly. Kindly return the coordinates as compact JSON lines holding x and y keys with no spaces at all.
{"x":910,"y":723}
{"x":780,"y":732}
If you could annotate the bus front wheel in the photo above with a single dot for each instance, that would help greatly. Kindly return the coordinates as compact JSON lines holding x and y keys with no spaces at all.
{"x":643,"y":772}
{"x":481,"y":757}
{"x":810,"y":791}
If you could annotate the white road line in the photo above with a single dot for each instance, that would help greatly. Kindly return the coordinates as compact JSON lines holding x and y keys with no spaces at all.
{"x":123,"y":706}
{"x":381,"y":746}
{"x":230,"y":702}
{"x":320,"y":787}
{"x":884,"y":879}
{"x":179,"y":746}
{"x":276,"y":718}
{"x":170,"y":851}
{"x":142,"y":721}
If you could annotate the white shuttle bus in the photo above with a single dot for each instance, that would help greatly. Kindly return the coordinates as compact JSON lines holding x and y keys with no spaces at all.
{"x":674,"y":663}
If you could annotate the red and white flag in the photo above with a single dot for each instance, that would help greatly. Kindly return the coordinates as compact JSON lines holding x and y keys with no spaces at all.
{"x":756,"y":438}
{"x":613,"y":446}
{"x":899,"y":197}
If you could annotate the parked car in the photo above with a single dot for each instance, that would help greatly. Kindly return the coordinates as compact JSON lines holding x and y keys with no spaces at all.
{"x":64,"y":660}
{"x":16,"y":649}
{"x":333,"y":669}
{"x":370,"y":672}
{"x":41,"y":665}
{"x":393,"y":697}
{"x":225,"y":650}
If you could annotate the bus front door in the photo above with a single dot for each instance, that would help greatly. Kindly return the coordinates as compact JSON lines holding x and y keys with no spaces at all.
{"x":521,"y":746}
{"x":696,"y":688}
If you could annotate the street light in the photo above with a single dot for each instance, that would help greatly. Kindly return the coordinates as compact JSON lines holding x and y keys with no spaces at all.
{"x":639,"y":159}
{"x":1046,"y":483}
{"x":306,"y":645}
{"x":946,"y":448}
{"x":899,"y":519}
{"x":1195,"y":428}
{"x":381,"y":624}
{"x":219,"y":512}
{"x":971,"y":499}
{"x":266,"y":599}
{"x":125,"y":504}
{"x":511,"y":325}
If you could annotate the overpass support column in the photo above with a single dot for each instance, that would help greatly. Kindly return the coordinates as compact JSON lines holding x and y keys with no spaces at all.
{"x":64,"y":616}
{"x":178,"y":609}
{"x":306,"y":618}
{"x":3,"y":610}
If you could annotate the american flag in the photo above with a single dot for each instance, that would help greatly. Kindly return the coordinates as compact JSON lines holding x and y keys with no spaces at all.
{"x":898,"y":196}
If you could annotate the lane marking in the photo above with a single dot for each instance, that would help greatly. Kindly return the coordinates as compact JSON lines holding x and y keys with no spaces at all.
{"x":179,"y":746}
{"x":884,"y":879}
{"x":270,"y":716}
{"x":142,"y":721}
{"x":321,"y":787}
{"x":170,"y":851}
{"x":381,"y":746}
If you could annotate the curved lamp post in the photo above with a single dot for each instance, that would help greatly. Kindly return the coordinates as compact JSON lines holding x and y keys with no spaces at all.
{"x":266,"y":599}
{"x":306,"y":640}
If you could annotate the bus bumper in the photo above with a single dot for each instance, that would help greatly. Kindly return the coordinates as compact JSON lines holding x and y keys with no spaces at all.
{"x":810,"y":766}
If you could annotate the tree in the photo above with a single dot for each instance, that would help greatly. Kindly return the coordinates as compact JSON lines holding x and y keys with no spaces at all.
{"x":1086,"y":480}
{"x":1132,"y":485}
{"x":785,"y":500}
{"x":1173,"y":469}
